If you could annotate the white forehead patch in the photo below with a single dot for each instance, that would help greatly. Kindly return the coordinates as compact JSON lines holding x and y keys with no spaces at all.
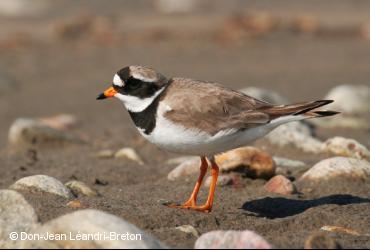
{"x":117,"y":81}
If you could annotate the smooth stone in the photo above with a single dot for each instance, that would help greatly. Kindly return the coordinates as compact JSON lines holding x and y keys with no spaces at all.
{"x":341,"y":230}
{"x":188,"y":229}
{"x":265,"y":95}
{"x":319,"y":240}
{"x":130,"y":154}
{"x":223,"y":180}
{"x":89,"y":221}
{"x":16,"y":215}
{"x":59,"y":122}
{"x":80,"y":188}
{"x":75,"y":204}
{"x":350,"y":98}
{"x":297,"y":134}
{"x":231,"y":240}
{"x":346,"y":147}
{"x":350,"y":168}
{"x":186,"y":168}
{"x":280,"y":185}
{"x":26,"y":132}
{"x":42,"y":183}
{"x":288,"y":163}
{"x":254,"y":162}
{"x":107,"y":153}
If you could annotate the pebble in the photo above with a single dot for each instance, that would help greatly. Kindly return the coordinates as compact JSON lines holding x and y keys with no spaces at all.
{"x":298,"y":134}
{"x":59,"y":122}
{"x":75,"y":204}
{"x":280,"y":185}
{"x":336,"y":229}
{"x":319,"y":240}
{"x":254,"y":162}
{"x":346,"y":147}
{"x":42,"y":183}
{"x":26,"y":132}
{"x":16,"y":215}
{"x":231,"y":240}
{"x":223,"y":180}
{"x":327,"y":169}
{"x":350,"y":99}
{"x":107,"y":153}
{"x":288,"y":163}
{"x":89,"y":221}
{"x":186,"y":168}
{"x":265,"y":95}
{"x":80,"y":188}
{"x":130,"y":154}
{"x":188,"y":229}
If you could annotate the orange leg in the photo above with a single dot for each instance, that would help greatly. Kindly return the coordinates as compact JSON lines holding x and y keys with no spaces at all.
{"x":191,"y":203}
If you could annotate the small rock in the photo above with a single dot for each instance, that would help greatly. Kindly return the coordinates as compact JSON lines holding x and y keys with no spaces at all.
{"x":297,"y":134}
{"x":188,"y":167}
{"x":231,"y":240}
{"x":346,"y":147}
{"x":280,"y":185}
{"x":42,"y":183}
{"x":188,"y":229}
{"x":121,"y":234}
{"x":288,"y":163}
{"x":130,"y":154}
{"x":336,"y":229}
{"x":107,"y":153}
{"x":16,"y":215}
{"x":79,"y":187}
{"x":320,"y":240}
{"x":75,"y":204}
{"x":251,"y":161}
{"x":223,"y":180}
{"x":22,"y":8}
{"x":25,"y":132}
{"x":265,"y":95}
{"x":254,"y":162}
{"x":327,"y":169}
{"x":60,"y":122}
{"x":350,"y":98}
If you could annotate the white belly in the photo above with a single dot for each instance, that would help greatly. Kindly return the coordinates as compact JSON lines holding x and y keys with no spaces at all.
{"x":176,"y":138}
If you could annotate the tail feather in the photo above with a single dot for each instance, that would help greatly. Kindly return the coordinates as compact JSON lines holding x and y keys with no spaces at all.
{"x":306,"y":109}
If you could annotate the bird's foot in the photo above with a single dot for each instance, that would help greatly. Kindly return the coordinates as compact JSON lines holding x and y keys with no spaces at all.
{"x":207,"y":208}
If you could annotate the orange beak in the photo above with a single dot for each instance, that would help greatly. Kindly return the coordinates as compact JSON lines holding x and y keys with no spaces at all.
{"x":110,"y":92}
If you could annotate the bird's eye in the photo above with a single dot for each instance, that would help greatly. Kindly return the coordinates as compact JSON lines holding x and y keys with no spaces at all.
{"x":134,"y":84}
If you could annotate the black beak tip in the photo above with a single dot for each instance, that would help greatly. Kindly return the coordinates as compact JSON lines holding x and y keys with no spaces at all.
{"x":101,"y":96}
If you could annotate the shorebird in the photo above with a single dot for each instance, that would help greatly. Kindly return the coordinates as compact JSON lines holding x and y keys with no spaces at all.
{"x":200,"y":118}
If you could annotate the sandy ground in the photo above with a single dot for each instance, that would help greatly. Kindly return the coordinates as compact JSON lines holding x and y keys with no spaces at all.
{"x":55,"y":77}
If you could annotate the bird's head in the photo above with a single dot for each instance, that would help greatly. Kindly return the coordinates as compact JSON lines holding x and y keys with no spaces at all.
{"x":136,"y":87}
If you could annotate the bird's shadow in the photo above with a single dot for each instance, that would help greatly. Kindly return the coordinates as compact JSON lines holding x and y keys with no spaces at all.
{"x":278,"y":207}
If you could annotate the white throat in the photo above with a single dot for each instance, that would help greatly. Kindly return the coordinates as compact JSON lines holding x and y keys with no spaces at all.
{"x":136,"y":104}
